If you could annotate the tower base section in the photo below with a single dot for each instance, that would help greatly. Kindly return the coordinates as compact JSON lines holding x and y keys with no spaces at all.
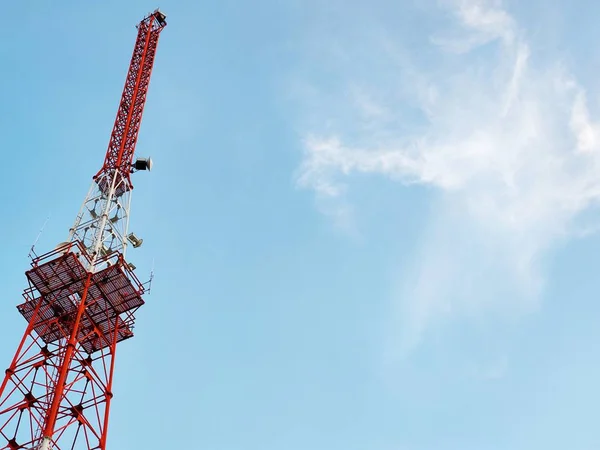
{"x":76,"y":315}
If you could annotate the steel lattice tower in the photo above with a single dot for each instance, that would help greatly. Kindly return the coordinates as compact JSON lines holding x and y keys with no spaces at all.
{"x":82,"y":297}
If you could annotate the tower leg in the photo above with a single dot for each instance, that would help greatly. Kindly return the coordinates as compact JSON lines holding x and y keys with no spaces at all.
{"x":57,"y":398}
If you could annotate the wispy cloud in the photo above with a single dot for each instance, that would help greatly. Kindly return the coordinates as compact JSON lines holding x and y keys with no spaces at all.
{"x":485,"y":22}
{"x":508,"y":144}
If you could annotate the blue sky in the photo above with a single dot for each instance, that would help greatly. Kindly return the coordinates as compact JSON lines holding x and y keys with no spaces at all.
{"x":374,"y":224}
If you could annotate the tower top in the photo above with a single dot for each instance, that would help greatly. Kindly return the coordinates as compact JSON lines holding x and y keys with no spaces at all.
{"x":121,"y":147}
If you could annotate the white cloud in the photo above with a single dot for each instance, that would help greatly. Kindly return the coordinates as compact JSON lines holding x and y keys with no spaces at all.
{"x":509,"y":146}
{"x":485,"y":21}
{"x":587,"y":133}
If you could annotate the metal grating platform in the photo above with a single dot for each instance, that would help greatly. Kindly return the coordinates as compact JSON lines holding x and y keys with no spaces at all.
{"x":57,"y":274}
{"x":114,"y":293}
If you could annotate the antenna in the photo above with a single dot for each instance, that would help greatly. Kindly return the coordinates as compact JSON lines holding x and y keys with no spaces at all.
{"x":149,"y":282}
{"x":31,"y":251}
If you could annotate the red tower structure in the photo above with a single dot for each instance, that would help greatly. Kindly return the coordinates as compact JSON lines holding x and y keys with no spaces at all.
{"x":82,"y":296}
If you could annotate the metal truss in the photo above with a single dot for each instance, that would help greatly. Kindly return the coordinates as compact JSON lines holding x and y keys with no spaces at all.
{"x":121,"y":147}
{"x":82,"y":297}
{"x":103,"y":220}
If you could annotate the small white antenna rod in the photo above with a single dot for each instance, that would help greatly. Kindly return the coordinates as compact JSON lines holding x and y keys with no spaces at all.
{"x":38,"y":236}
{"x":151,"y":277}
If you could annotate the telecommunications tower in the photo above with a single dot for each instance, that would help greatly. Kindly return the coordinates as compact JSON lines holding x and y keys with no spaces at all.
{"x":82,"y":296}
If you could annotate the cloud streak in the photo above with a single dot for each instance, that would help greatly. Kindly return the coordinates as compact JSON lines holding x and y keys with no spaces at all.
{"x":508,"y":145}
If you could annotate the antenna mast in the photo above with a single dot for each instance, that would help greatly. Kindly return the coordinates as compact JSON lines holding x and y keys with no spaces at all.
{"x":82,"y":296}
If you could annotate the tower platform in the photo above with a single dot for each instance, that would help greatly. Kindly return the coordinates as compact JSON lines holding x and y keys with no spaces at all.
{"x":57,"y":281}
